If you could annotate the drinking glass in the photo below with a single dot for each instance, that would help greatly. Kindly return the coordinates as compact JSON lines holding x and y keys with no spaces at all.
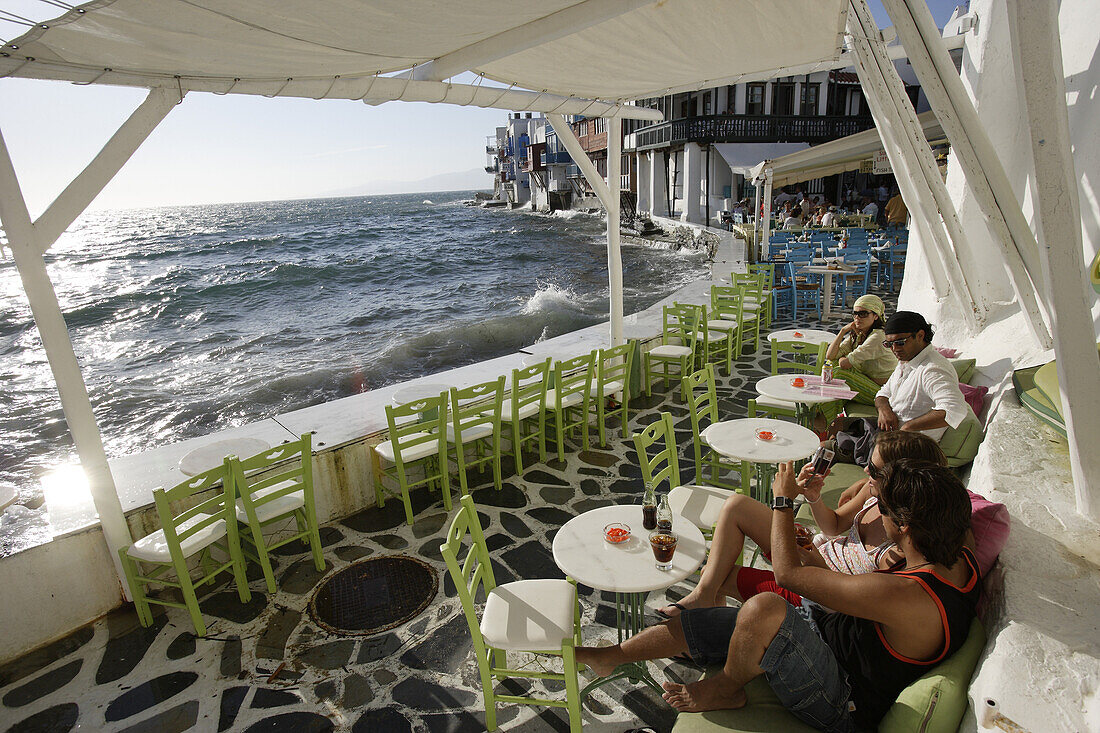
{"x":664,"y":546}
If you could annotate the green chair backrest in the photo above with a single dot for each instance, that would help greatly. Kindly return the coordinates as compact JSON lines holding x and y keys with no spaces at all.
{"x":421,"y":421}
{"x":477,"y":405}
{"x":614,"y":364}
{"x":471,"y":571}
{"x":701,"y":391}
{"x":681,"y":324}
{"x":289,"y":462}
{"x":529,"y":386}
{"x":663,"y":464}
{"x":219,"y":507}
{"x":766,"y":269}
{"x":726,"y":302}
{"x":797,"y":356}
{"x":574,"y":376}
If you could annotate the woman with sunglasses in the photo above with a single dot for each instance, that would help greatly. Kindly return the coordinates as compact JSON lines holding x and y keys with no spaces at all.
{"x":858,"y":353}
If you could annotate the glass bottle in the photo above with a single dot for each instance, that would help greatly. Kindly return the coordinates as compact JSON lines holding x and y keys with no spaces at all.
{"x":649,"y":507}
{"x":827,"y":371}
{"x":664,"y":515}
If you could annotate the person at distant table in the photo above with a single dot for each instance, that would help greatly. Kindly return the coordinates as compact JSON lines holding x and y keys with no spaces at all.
{"x":870,"y":208}
{"x":857,"y":351}
{"x":896,"y":211}
{"x":829,"y":219}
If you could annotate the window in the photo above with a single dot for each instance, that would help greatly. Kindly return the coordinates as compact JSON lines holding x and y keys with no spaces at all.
{"x":810,"y":99}
{"x":708,"y":106}
{"x":731,"y":99}
{"x":754,"y":103}
{"x":784,"y":99}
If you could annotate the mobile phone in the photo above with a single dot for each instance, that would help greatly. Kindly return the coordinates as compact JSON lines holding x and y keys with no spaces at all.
{"x":822,"y":461}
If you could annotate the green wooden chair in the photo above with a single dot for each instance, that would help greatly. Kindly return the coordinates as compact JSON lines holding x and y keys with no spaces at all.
{"x":711,"y":345}
{"x":274,"y":486}
{"x":702,"y":401}
{"x":660,"y":464}
{"x":417,"y":438}
{"x":792,"y":357}
{"x":475,"y":421}
{"x":680,"y":326}
{"x":757,"y":295}
{"x":569,"y":400}
{"x":727,"y":314}
{"x":206,"y":523}
{"x":766,"y":272}
{"x":525,"y":409}
{"x":534,"y":616}
{"x":613,"y":369}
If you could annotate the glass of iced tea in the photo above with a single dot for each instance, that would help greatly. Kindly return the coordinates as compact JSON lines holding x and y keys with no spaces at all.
{"x":664,"y":546}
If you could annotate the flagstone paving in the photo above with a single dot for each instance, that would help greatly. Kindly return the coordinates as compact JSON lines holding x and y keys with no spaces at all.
{"x":266,"y":666}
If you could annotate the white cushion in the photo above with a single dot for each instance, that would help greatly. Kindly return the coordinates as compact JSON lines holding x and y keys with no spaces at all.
{"x":763,"y":401}
{"x":720,"y":324}
{"x":476,"y":432}
{"x":573,"y":398}
{"x":154,"y":548}
{"x":700,"y":505}
{"x":668,"y":350}
{"x":612,"y":387}
{"x":409,"y":452}
{"x":525,"y":411}
{"x":275,"y":507}
{"x":529,"y":615}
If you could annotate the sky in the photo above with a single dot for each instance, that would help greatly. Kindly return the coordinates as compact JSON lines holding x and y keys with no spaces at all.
{"x":214,"y":149}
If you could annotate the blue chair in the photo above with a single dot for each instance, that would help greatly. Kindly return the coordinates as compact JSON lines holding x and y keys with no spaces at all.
{"x":856,"y":283}
{"x":783,"y":292}
{"x":806,"y":293}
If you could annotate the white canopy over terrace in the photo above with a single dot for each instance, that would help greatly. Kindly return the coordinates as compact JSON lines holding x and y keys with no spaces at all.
{"x":561,"y":57}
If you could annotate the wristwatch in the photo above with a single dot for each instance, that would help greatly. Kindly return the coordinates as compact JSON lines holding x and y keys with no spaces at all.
{"x":782,"y":502}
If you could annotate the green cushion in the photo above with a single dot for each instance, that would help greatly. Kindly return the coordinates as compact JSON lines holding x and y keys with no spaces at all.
{"x":960,"y":444}
{"x":964,"y":368}
{"x":937,"y":701}
{"x":1034,"y":401}
{"x":1046,"y":380}
{"x":858,"y":409}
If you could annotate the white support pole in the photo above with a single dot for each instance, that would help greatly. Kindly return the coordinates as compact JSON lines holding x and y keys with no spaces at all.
{"x":76,"y":197}
{"x":765,"y":235}
{"x":614,"y":251}
{"x":1033,"y":25}
{"x":608,"y":194}
{"x":910,"y":156}
{"x":970,"y":143}
{"x":754,"y":253}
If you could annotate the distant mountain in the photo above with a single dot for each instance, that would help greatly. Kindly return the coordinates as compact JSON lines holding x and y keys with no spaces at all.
{"x":473,"y":179}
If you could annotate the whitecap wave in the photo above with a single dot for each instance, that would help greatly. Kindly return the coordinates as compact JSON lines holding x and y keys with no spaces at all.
{"x":428,"y":201}
{"x":550,"y":297}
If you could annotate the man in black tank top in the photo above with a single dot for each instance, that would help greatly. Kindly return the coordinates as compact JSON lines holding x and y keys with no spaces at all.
{"x":838,"y":671}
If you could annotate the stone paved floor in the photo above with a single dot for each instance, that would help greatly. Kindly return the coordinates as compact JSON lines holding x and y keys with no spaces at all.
{"x":266,"y":666}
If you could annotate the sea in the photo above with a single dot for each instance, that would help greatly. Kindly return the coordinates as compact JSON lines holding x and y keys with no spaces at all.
{"x":190,"y":319}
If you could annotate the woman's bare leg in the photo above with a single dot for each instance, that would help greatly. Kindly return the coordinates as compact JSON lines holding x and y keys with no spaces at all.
{"x":741,"y":517}
{"x":656,"y":642}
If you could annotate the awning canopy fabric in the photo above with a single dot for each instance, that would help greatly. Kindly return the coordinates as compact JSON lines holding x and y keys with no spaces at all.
{"x":612,"y":50}
{"x":835,"y":156}
{"x":742,"y":157}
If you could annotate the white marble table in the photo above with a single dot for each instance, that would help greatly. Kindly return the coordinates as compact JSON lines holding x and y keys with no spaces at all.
{"x":781,"y":387}
{"x":211,"y":455}
{"x":736,"y":440}
{"x":827,"y":285}
{"x":809,"y":335}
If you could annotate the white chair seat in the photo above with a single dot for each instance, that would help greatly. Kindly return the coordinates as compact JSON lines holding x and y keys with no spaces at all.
{"x":529,"y":615}
{"x":700,"y":505}
{"x":612,"y":387}
{"x":475,"y":432}
{"x":571,"y":399}
{"x":720,"y":324}
{"x":154,"y":548}
{"x":275,"y":507}
{"x":670,"y":351}
{"x":525,"y":411}
{"x":410,"y":452}
{"x":763,"y":401}
{"x":716,"y":335}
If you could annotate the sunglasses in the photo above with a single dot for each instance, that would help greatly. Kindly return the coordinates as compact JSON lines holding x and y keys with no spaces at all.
{"x":862,"y":314}
{"x":874,"y":471}
{"x":896,"y":342}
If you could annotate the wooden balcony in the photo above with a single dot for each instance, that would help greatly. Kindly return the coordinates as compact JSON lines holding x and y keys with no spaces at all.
{"x":750,"y":129}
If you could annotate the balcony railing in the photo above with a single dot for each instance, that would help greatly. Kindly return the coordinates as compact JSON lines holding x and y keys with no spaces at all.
{"x":751,"y":128}
{"x":558,"y":157}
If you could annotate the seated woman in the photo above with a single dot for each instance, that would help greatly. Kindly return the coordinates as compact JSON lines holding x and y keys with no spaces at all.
{"x":853,"y":539}
{"x":862,"y":361}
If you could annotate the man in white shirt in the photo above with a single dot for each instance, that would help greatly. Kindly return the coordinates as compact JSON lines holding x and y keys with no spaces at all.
{"x":870,"y":208}
{"x":829,"y":220}
{"x":923,"y":392}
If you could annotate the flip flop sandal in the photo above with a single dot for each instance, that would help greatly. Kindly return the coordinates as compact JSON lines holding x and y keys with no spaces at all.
{"x":665,"y":616}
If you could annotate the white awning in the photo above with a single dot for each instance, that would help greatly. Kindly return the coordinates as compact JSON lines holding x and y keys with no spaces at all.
{"x":612,"y":50}
{"x":742,"y":157}
{"x":835,"y":156}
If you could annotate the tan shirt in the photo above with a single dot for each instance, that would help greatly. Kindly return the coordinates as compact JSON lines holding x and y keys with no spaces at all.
{"x":896,"y":212}
{"x":870,"y":357}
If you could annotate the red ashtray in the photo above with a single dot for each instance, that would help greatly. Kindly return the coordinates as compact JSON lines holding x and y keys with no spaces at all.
{"x":798,"y":382}
{"x":798,"y":334}
{"x":616,"y":533}
{"x":765,"y":435}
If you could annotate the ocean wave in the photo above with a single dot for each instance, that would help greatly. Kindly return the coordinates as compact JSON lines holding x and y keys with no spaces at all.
{"x":551,"y":298}
{"x":428,"y":201}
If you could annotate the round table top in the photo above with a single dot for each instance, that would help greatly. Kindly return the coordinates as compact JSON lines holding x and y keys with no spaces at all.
{"x":779,"y":387}
{"x":418,"y":391}
{"x":628,"y":567}
{"x":736,"y":440}
{"x":809,"y":335}
{"x":211,"y":455}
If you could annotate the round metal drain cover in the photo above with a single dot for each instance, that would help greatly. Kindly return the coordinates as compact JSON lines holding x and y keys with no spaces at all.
{"x":374,"y":595}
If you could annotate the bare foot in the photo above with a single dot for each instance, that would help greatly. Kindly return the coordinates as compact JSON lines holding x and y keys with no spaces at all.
{"x":712,"y":693}
{"x":691,"y":600}
{"x":598,"y":659}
